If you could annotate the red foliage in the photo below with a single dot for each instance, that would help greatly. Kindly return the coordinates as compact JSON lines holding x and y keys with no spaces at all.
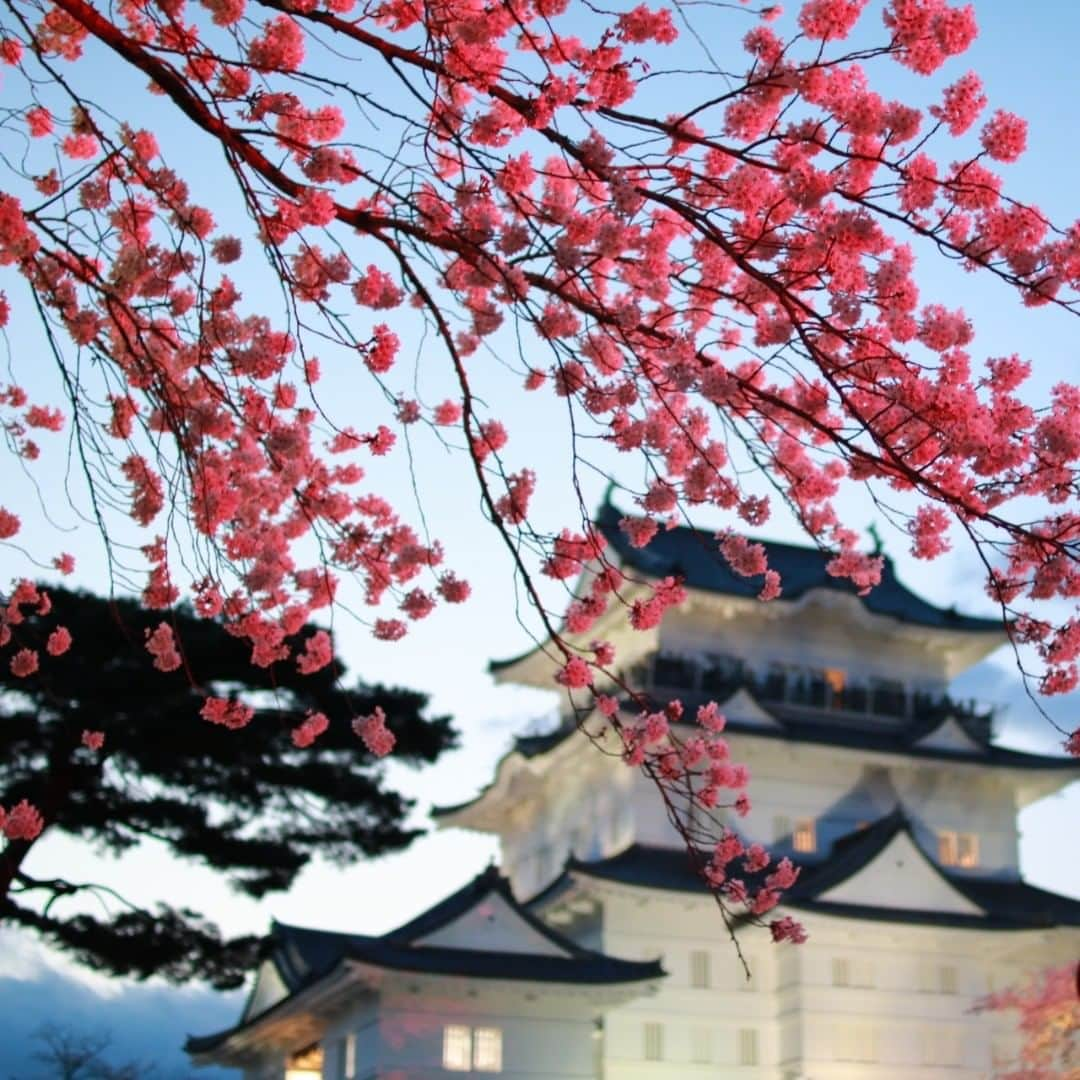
{"x":1048,"y":1020}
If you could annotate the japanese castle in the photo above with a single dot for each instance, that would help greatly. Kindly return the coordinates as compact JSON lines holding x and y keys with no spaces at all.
{"x":595,"y":949}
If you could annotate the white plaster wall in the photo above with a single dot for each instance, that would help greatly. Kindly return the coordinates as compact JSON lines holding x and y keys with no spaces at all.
{"x":800,"y":1015}
{"x":533,"y":1047}
{"x":819,"y":634}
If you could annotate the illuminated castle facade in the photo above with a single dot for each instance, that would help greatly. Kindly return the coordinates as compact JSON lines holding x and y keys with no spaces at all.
{"x":596,"y":952}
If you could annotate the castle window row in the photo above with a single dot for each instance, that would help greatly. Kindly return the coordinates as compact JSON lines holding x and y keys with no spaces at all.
{"x":959,"y":849}
{"x":702,"y":1044}
{"x":846,"y":971}
{"x":830,"y":689}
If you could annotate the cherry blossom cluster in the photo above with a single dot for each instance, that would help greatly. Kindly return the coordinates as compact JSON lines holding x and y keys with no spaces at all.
{"x":733,"y":282}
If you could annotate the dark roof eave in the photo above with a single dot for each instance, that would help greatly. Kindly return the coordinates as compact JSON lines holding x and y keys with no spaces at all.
{"x":819,"y":734}
{"x":1009,"y":904}
{"x":592,"y":970}
{"x":954,"y":920}
{"x":683,"y":552}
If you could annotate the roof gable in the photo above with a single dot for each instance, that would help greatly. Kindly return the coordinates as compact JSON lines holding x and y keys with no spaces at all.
{"x":269,"y":988}
{"x":743,"y":708}
{"x":492,"y":924}
{"x":950,"y":735}
{"x":900,"y":876}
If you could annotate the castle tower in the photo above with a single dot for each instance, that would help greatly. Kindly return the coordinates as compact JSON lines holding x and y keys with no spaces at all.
{"x":598,"y":954}
{"x":889,"y":793}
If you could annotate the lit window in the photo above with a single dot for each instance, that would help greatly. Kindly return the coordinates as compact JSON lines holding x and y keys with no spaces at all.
{"x":700,"y":1045}
{"x":347,"y":1051}
{"x":699,"y":970}
{"x":967,"y":850}
{"x":841,"y":972}
{"x":487,"y":1050}
{"x":958,"y":848}
{"x":306,"y":1064}
{"x":654,"y":1042}
{"x":457,"y":1048}
{"x":947,"y":847}
{"x":748,"y":1046}
{"x":836,"y":680}
{"x":804,"y":837}
{"x":467,"y":1048}
{"x":947,"y":979}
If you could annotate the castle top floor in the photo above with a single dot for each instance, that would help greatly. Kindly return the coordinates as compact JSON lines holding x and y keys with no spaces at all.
{"x":819,"y":645}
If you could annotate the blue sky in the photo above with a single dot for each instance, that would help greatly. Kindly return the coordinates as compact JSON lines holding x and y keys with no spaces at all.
{"x":1028,"y":64}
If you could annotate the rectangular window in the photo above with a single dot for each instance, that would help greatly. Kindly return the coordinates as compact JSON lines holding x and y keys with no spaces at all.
{"x":856,"y":698}
{"x":967,"y":850}
{"x":947,"y":980}
{"x":804,"y":836}
{"x":457,"y":1048}
{"x":748,"y":1046}
{"x":348,"y":1057}
{"x":721,"y":674}
{"x":674,"y":671}
{"x":781,"y":828}
{"x":487,"y":1050}
{"x":841,"y":972}
{"x":774,"y":686}
{"x":700,"y":1045}
{"x":958,"y":848}
{"x":700,"y":974}
{"x":654,"y":1042}
{"x":947,"y":847}
{"x":888,"y":698}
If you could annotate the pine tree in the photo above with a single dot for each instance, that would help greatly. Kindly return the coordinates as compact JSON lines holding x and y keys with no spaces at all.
{"x":256,"y":805}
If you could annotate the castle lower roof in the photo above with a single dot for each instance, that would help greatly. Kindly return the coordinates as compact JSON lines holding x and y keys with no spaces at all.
{"x":303,"y":958}
{"x":830,"y":886}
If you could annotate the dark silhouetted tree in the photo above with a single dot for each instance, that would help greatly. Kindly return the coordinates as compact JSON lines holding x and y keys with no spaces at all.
{"x":255,"y":806}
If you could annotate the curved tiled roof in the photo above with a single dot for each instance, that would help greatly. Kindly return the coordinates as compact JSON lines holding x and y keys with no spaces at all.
{"x":1009,"y":904}
{"x":694,"y":556}
{"x":303,"y":956}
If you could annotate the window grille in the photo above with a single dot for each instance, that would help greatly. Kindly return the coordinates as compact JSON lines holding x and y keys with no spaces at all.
{"x":700,"y":974}
{"x":654,"y":1042}
{"x":487,"y":1050}
{"x":958,"y":848}
{"x":804,"y":837}
{"x":748,"y":1046}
